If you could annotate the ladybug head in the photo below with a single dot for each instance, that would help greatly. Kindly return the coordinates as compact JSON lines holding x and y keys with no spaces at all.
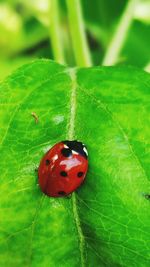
{"x":78,"y":147}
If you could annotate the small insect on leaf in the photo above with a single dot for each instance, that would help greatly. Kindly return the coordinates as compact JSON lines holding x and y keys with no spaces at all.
{"x":61,"y":171}
{"x":34,"y":115}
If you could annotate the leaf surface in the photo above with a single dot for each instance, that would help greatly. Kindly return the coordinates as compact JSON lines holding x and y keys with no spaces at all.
{"x":106,"y":222}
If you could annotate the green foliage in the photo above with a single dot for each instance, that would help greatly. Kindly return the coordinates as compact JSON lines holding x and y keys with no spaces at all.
{"x":18,"y":31}
{"x":136,"y":49}
{"x":106,"y":223}
{"x":101,"y":16}
{"x":26,"y":25}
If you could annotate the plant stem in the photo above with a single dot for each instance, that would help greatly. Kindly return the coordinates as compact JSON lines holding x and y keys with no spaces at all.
{"x":120,"y":34}
{"x":79,"y":41}
{"x":55,"y":33}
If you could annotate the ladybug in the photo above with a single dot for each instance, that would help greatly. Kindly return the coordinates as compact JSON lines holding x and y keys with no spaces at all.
{"x":63,"y":168}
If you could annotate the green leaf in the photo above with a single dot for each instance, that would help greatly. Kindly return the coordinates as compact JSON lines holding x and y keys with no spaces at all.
{"x":106,"y":222}
{"x":136,"y":48}
{"x":7,"y":66}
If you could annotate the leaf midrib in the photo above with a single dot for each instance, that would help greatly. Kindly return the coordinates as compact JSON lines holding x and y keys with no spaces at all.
{"x":70,"y":136}
{"x":70,"y":131}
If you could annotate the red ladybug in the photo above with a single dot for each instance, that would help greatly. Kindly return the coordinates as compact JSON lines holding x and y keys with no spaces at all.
{"x":63,"y":168}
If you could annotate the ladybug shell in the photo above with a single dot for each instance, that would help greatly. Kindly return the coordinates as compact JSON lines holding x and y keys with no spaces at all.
{"x":63,"y":168}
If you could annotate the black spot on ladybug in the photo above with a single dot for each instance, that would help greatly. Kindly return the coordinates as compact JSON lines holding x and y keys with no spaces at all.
{"x":66,"y":152}
{"x":47,"y":162}
{"x":77,"y":146}
{"x":80,"y":174}
{"x":63,"y":173}
{"x":61,"y":193}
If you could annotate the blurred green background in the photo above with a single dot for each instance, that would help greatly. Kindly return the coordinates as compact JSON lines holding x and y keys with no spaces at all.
{"x":25,"y":32}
